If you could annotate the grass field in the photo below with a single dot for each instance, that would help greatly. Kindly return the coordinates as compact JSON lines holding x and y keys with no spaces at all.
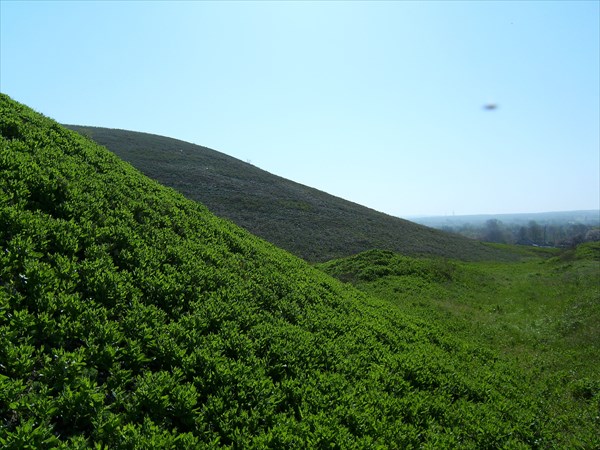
{"x":542,"y":313}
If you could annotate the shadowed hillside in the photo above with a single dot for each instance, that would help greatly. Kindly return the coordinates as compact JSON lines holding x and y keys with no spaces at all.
{"x":131,"y":317}
{"x":309,"y":223}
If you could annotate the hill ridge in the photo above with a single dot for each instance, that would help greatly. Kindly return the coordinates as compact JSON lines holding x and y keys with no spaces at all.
{"x":305,"y":221}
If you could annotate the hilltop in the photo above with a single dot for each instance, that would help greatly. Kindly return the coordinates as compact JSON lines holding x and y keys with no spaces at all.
{"x":307,"y":222}
{"x":132,"y":317}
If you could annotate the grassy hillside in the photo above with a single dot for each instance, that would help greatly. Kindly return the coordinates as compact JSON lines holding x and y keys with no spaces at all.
{"x":543,"y":313}
{"x":131,"y":317}
{"x":309,"y":223}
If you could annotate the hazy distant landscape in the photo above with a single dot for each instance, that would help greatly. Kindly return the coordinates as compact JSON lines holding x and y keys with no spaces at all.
{"x":588,"y":217}
{"x":556,"y":229}
{"x":134,"y":317}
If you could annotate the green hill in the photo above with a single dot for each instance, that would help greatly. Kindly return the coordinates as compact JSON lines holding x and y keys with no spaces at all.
{"x":131,"y":317}
{"x":309,"y":223}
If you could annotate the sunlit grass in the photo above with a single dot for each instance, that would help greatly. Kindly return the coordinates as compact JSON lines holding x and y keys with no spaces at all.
{"x":543,"y":313}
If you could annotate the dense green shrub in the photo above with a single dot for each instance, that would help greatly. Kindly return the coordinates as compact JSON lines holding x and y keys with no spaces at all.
{"x":131,"y":317}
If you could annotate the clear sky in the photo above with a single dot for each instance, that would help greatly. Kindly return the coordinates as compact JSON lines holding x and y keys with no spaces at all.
{"x":380,"y":103}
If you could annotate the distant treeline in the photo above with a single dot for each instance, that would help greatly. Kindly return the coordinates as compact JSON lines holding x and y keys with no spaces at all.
{"x":532,"y":233}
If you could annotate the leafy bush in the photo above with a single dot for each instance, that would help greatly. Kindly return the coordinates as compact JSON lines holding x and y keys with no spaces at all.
{"x":131,"y":317}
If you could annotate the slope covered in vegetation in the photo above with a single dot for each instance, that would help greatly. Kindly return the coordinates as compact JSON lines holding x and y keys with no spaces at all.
{"x":131,"y":317}
{"x":543,"y":313}
{"x":307,"y":222}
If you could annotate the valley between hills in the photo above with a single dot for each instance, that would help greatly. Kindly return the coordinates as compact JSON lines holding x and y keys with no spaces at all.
{"x":158,"y":294}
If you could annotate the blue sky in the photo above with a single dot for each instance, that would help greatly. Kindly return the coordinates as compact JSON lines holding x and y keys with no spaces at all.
{"x":376,"y":102}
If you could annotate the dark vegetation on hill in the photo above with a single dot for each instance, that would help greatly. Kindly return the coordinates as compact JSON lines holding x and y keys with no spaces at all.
{"x":542,"y":313}
{"x":131,"y":317}
{"x":307,"y":222}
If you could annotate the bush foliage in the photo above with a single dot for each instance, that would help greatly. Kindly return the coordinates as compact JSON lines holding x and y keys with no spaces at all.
{"x":131,"y":317}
